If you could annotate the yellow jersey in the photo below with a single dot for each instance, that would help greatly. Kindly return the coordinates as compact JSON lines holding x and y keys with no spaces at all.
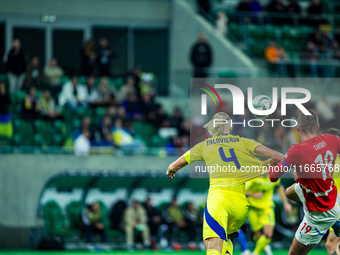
{"x":264,"y":185}
{"x":230,"y":160}
{"x":336,"y":175}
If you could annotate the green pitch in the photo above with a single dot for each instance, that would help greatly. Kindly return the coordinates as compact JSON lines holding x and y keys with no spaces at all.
{"x":275,"y":252}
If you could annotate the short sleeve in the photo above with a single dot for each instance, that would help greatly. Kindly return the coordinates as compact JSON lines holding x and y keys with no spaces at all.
{"x":277,"y":183}
{"x":250,"y":145}
{"x":187,"y":156}
{"x":195,"y":154}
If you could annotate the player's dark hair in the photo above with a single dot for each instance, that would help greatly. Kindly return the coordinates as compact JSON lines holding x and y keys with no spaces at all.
{"x":333,"y":131}
{"x":308,"y":123}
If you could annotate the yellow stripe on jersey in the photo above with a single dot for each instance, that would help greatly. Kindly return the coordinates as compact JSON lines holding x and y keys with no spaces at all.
{"x":232,"y":158}
{"x":336,"y":174}
{"x":264,"y":185}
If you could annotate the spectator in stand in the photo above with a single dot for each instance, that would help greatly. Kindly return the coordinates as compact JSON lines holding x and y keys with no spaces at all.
{"x":176,"y":118}
{"x":322,"y":40}
{"x":293,"y":7}
{"x":112,"y":113}
{"x":48,"y":109}
{"x":92,"y":220}
{"x":73,"y":94}
{"x":185,"y":128}
{"x":161,"y":117}
{"x":154,"y":218}
{"x":136,"y":72}
{"x":201,"y":57}
{"x":193,"y":223}
{"x":244,"y":10}
{"x":135,"y":219}
{"x":16,"y":66}
{"x":52,"y":75}
{"x":6,"y":127}
{"x":148,"y":108}
{"x":315,"y":8}
{"x":121,"y":114}
{"x":30,"y":106}
{"x":88,"y":58}
{"x":204,"y":8}
{"x":92,"y":96}
{"x":107,"y":93}
{"x":122,"y":137}
{"x":336,"y":50}
{"x":5,"y":99}
{"x":277,"y":9}
{"x":104,"y":56}
{"x":86,"y":123}
{"x":82,"y":143}
{"x":128,"y":88}
{"x":257,"y":10}
{"x":34,"y":73}
{"x":314,"y":12}
{"x":311,"y":55}
{"x":105,"y":128}
{"x":176,"y":221}
{"x":222,"y":23}
{"x":277,"y":57}
{"x":132,"y":107}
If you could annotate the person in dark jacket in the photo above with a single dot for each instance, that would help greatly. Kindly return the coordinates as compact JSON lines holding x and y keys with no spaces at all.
{"x":104,"y":56}
{"x":34,"y":73}
{"x":201,"y":57}
{"x":5,"y":99}
{"x":16,"y":66}
{"x":92,"y":220}
{"x":154,"y":218}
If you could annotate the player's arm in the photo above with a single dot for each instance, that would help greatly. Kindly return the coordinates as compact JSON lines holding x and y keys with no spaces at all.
{"x":195,"y":154}
{"x":175,"y":166}
{"x":283,"y":167}
{"x":264,"y":151}
{"x":286,"y":205}
{"x":248,"y":187}
{"x":254,"y":195}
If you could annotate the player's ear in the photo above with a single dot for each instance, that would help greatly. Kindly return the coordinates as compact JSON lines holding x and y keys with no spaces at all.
{"x":298,"y":128}
{"x":317,"y":129}
{"x":230,"y":128}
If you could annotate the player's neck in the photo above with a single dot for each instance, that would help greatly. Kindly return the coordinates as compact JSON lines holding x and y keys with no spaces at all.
{"x":306,"y":136}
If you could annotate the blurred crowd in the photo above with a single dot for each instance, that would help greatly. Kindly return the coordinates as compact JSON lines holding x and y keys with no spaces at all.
{"x":145,"y":225}
{"x":281,"y":12}
{"x":48,"y":96}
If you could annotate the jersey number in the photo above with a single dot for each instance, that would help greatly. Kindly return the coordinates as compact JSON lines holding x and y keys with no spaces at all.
{"x":324,"y":162}
{"x":308,"y":228}
{"x":232,"y":157}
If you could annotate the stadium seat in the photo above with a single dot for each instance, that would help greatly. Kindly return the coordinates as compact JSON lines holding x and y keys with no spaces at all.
{"x":105,"y":214}
{"x":73,"y":213}
{"x":44,"y":132}
{"x":23,"y":131}
{"x":255,"y":31}
{"x":236,"y":30}
{"x":53,"y":218}
{"x":272,"y":32}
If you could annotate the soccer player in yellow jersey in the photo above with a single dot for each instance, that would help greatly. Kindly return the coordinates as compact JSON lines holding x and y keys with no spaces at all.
{"x":227,"y":206}
{"x":333,"y":242}
{"x":261,"y":212}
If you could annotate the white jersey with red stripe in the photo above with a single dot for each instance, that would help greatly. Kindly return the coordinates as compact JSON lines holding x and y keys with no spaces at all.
{"x":313,"y":161}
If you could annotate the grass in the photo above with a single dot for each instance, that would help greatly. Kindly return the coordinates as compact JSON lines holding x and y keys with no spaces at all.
{"x":275,"y":252}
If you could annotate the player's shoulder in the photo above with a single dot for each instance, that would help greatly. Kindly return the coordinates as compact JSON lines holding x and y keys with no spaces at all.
{"x":294,"y":149}
{"x":329,"y":137}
